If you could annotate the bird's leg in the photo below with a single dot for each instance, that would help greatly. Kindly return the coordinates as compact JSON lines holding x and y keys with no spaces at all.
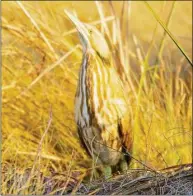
{"x":107,"y":172}
{"x":94,"y":175}
{"x":123,"y":165}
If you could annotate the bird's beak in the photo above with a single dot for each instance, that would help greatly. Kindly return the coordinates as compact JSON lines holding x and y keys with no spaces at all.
{"x":82,"y":30}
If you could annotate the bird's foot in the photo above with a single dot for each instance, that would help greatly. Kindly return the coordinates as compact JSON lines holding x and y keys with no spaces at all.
{"x":107,"y":172}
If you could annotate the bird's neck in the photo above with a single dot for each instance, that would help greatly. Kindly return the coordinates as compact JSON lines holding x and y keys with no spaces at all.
{"x":82,"y":113}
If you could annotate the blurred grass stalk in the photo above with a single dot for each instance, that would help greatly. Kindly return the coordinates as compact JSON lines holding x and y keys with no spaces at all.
{"x":161,"y":46}
{"x":168,"y":32}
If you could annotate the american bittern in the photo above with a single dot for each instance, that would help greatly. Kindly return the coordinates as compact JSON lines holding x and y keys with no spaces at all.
{"x":101,"y":108}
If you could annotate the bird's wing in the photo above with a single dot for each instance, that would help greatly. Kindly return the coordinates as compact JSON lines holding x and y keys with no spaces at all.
{"x":107,"y":98}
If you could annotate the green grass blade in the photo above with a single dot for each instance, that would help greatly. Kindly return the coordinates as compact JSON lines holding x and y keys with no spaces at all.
{"x":165,"y":33}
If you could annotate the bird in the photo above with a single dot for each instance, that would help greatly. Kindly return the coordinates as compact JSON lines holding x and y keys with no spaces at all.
{"x":101,"y":102}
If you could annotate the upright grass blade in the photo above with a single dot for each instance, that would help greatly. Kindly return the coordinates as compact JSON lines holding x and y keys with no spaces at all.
{"x":168,"y":32}
{"x":104,"y":27}
{"x":165,"y":33}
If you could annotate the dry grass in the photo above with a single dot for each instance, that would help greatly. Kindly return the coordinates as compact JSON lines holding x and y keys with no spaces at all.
{"x":41,"y":56}
{"x":143,"y":182}
{"x":176,"y":181}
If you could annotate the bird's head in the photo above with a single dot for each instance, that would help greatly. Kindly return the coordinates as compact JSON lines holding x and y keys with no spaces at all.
{"x":90,"y":37}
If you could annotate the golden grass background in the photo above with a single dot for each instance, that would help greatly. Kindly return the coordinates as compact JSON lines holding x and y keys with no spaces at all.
{"x":35,"y":35}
